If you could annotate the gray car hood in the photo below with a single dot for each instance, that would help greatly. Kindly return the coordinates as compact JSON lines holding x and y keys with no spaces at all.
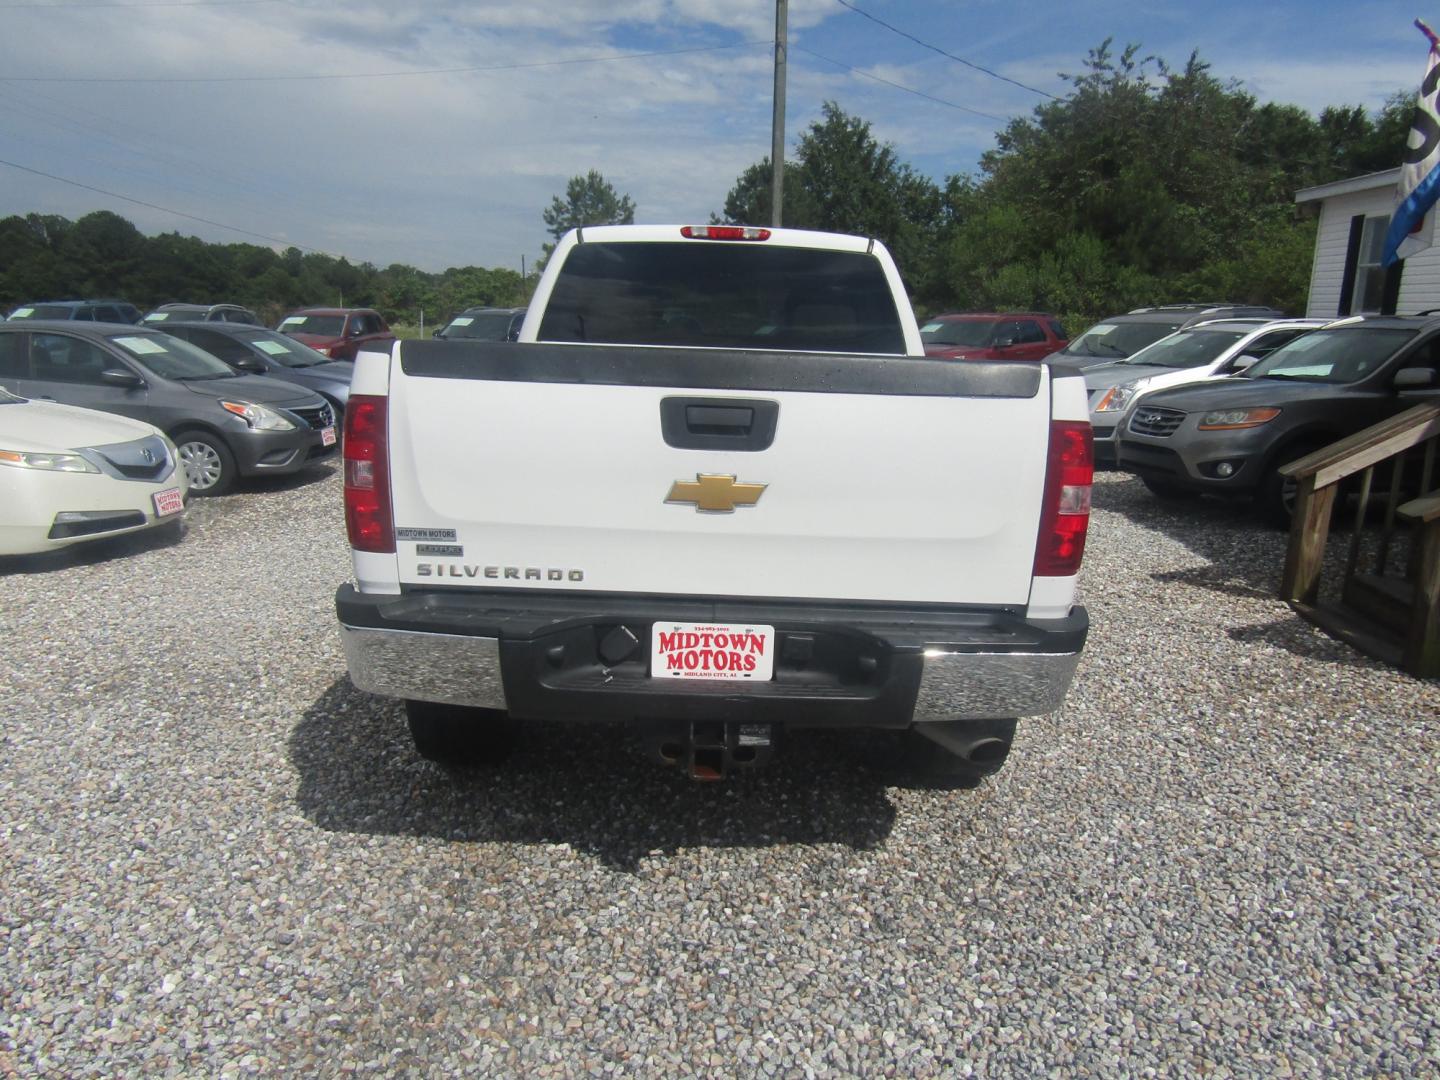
{"x":1242,"y":392}
{"x":256,"y":388}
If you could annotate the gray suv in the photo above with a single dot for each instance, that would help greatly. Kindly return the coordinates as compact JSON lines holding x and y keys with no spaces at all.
{"x":1231,"y":436}
{"x":225,"y":425}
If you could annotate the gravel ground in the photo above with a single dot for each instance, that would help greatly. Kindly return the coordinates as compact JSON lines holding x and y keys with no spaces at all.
{"x":1222,"y":857}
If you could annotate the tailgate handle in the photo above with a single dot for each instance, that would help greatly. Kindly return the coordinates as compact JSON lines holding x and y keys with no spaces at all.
{"x":693,"y":423}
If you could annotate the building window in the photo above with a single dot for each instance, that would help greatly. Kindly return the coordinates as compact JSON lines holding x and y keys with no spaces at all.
{"x":1369,"y":274}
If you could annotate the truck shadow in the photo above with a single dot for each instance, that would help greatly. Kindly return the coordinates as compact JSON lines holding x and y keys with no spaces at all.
{"x":589,"y":786}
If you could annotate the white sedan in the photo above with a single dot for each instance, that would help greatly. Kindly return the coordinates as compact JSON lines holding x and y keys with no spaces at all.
{"x":69,"y":474}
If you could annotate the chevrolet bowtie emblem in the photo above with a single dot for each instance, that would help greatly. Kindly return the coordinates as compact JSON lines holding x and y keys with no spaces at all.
{"x":714,"y":493}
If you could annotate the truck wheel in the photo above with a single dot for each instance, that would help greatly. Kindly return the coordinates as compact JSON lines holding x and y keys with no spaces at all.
{"x":1168,"y":490}
{"x":209,"y":466}
{"x":459,"y":735}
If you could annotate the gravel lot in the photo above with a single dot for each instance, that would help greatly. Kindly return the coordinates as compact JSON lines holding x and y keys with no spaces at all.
{"x":216,"y":858}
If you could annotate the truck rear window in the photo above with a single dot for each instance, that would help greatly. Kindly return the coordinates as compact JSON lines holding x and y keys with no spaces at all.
{"x":732,"y":296}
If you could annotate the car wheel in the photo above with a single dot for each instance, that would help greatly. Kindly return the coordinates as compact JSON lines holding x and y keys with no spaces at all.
{"x":459,"y":735}
{"x":1277,"y":494}
{"x":1168,"y":489}
{"x":209,"y":466}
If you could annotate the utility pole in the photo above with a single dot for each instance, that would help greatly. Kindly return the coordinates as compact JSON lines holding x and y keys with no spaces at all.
{"x":777,"y":121}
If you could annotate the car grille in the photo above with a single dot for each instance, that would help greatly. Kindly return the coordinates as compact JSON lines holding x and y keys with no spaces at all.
{"x":1156,"y":422}
{"x":144,"y":459}
{"x":320,"y":416}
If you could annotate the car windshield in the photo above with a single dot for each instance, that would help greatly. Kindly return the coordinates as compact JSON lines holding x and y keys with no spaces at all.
{"x":957,"y":332}
{"x":1343,"y":355}
{"x":736,"y":296}
{"x":43,"y":311}
{"x":488,"y":326}
{"x":1117,"y":340}
{"x":170,"y":358}
{"x":1186,"y":348}
{"x":323,"y":325}
{"x":282,"y":349}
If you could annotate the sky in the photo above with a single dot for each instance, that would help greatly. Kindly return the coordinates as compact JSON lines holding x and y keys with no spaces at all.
{"x":436,"y":132}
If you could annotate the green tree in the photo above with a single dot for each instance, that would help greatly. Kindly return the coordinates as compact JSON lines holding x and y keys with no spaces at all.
{"x":843,"y":179}
{"x":589,"y":200}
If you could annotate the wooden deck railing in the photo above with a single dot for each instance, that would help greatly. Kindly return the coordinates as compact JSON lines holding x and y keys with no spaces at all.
{"x":1387,"y":606}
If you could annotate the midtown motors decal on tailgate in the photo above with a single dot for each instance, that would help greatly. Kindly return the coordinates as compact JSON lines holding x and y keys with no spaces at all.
{"x":703,"y":651}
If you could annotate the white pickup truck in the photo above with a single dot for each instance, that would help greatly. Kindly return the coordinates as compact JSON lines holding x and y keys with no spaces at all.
{"x":717,"y":490}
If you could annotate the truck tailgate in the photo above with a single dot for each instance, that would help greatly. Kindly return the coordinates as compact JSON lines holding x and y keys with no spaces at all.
{"x":548,"y":466}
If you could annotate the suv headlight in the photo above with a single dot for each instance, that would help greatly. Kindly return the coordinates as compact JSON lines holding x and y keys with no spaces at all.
{"x":1230,"y":419}
{"x":259,"y":417}
{"x":48,"y":462}
{"x":1117,"y":397}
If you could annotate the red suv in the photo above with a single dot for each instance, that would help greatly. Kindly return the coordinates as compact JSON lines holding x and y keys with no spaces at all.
{"x":339,"y":333}
{"x":1014,"y":335}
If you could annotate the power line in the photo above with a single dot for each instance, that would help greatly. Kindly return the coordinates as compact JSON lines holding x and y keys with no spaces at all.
{"x":907,"y":89}
{"x":378,"y":74}
{"x":162,"y":209}
{"x":942,"y":52}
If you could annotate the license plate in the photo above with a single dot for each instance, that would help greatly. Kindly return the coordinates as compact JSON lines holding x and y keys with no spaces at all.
{"x":168,"y":502}
{"x":709,"y":651}
{"x":327,"y":436}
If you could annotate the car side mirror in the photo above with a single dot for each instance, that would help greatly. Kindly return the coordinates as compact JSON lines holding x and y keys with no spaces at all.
{"x":120,"y":377}
{"x":1241,"y":363}
{"x":1004,"y":342}
{"x":437,"y":333}
{"x":514,"y":334}
{"x":251,"y":364}
{"x":1415,"y":378}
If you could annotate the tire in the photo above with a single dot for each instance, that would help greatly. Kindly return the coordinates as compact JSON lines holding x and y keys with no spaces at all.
{"x":1168,"y":490}
{"x":209,"y":466}
{"x":1275,"y":498}
{"x":460,"y":736}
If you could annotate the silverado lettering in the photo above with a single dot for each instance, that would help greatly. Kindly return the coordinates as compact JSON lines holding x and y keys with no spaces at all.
{"x":512,"y":573}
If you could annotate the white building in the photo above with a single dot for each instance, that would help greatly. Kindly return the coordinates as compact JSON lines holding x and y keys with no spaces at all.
{"x":1347,"y":278}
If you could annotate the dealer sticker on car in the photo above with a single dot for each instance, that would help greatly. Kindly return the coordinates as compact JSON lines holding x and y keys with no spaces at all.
{"x":704,"y":651}
{"x":168,"y":502}
{"x":327,"y":436}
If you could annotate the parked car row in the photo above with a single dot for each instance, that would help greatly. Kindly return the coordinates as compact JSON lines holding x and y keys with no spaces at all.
{"x":1230,"y":436}
{"x":1199,"y":351}
{"x":223,"y":423}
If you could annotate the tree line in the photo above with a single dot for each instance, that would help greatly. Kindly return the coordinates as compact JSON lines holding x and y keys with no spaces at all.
{"x":1143,"y":184}
{"x":47,"y":257}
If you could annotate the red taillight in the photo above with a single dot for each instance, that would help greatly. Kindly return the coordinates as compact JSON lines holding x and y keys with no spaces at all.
{"x":723,"y":232}
{"x":1065,"y":518}
{"x":367,"y":475}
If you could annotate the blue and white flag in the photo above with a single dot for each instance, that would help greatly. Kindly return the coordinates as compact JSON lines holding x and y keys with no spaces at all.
{"x":1419,"y":185}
